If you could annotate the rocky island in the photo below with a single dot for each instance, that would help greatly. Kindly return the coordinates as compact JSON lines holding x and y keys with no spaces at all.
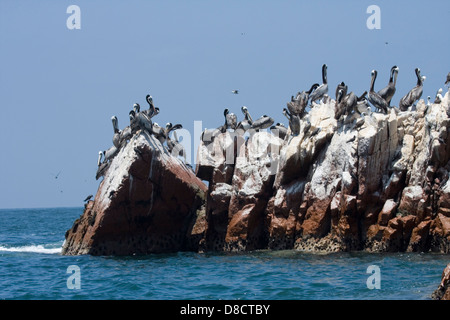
{"x":372,"y":181}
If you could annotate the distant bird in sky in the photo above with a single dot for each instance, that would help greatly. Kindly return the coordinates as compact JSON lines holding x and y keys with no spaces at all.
{"x":235,"y":91}
{"x":56,"y":175}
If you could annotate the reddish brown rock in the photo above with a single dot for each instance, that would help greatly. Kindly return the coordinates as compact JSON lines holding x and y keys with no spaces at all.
{"x":419,"y":237}
{"x":147,"y":202}
{"x":443,"y":290}
{"x":387,"y":213}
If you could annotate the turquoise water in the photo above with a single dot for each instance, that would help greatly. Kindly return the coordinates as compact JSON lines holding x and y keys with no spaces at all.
{"x":32,"y":268}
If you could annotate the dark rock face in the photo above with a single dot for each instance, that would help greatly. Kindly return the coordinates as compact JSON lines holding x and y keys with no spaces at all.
{"x":148,"y":202}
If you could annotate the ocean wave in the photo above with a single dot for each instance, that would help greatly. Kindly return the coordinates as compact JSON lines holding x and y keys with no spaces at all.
{"x":32,"y":248}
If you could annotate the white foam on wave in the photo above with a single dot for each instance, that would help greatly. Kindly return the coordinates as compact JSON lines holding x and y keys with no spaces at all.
{"x":32,"y":248}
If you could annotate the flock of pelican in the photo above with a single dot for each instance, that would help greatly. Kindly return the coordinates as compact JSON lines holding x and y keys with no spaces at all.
{"x":347,"y":105}
{"x":139,"y":121}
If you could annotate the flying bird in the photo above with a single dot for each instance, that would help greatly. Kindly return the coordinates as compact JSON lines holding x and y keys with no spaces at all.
{"x":235,"y":91}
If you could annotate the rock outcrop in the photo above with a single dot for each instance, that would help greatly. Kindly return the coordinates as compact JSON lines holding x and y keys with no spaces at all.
{"x":379,"y":182}
{"x":443,"y":290}
{"x":149,"y":201}
{"x":375,"y":183}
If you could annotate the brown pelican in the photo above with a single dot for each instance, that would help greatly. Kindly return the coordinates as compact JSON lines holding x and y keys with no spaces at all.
{"x":142,"y":120}
{"x":339,"y":107}
{"x":322,"y":89}
{"x":448,"y":79}
{"x":414,"y":94}
{"x":374,"y":98}
{"x":247,"y":122}
{"x":133,"y":122}
{"x":230,"y":120}
{"x":388,"y":92}
{"x":341,"y":86}
{"x":136,"y":108}
{"x":175,"y":147}
{"x":151,"y":112}
{"x":110,"y":153}
{"x":298,"y":104}
{"x":279,"y":130}
{"x":362,"y":106}
{"x":208,"y":135}
{"x":101,"y":166}
{"x":117,"y":133}
{"x":262,"y":123}
{"x":161,"y":133}
{"x":294,"y":122}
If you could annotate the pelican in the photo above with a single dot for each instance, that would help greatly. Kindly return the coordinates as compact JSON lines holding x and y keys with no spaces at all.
{"x":126,"y":135}
{"x":374,"y":98}
{"x":141,"y":120}
{"x":439,"y":96}
{"x":151,"y":112}
{"x":117,"y":141}
{"x":322,"y":89}
{"x":89,"y":197}
{"x":230,"y":120}
{"x":341,"y":86}
{"x":175,"y":147}
{"x":448,"y":79}
{"x":101,"y":166}
{"x":136,"y":108}
{"x":414,"y":94}
{"x":247,"y":122}
{"x":339,"y":107}
{"x":110,"y":153}
{"x":262,"y":123}
{"x":133,"y":122}
{"x":163,"y":134}
{"x":294,"y":122}
{"x":362,"y":106}
{"x":388,"y":92}
{"x":279,"y":130}
{"x":298,"y":104}
{"x":159,"y":132}
{"x":208,"y":135}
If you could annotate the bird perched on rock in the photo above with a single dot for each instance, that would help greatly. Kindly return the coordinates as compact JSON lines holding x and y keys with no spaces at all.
{"x":279,"y":130}
{"x":374,"y":98}
{"x":322,"y":90}
{"x":388,"y":92}
{"x":439,"y":96}
{"x":414,"y":94}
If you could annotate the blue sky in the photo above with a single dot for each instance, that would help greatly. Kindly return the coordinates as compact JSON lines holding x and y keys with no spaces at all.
{"x":60,"y":87}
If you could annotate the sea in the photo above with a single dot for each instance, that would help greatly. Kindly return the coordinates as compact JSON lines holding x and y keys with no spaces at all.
{"x":32,"y":268}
